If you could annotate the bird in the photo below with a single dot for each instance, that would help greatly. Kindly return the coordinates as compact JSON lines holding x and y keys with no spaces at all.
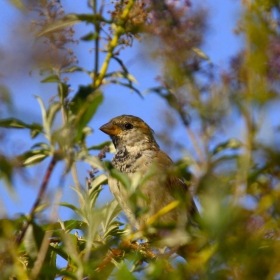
{"x":137,"y":152}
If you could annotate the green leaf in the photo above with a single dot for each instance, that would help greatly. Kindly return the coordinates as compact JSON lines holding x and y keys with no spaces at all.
{"x":34,"y":159}
{"x":80,"y":98}
{"x":34,"y":156}
{"x":124,"y":75}
{"x":35,"y":128}
{"x":33,"y":239}
{"x":6,"y":169}
{"x":232,"y":144}
{"x":67,"y":226}
{"x":51,"y":79}
{"x":84,"y":105}
{"x":99,"y":180}
{"x":70,"y":20}
{"x":52,"y":111}
{"x":44,"y":115}
{"x":90,"y":37}
{"x":59,"y":250}
{"x":109,"y":144}
{"x":100,"y":146}
{"x":41,"y":145}
{"x":76,"y":69}
{"x":92,"y":18}
{"x":48,"y":116}
{"x":70,"y":225}
{"x":13,"y":123}
{"x":81,"y":194}
{"x":68,"y":274}
{"x":95,"y":189}
{"x":93,"y":161}
{"x":93,"y":195}
{"x":72,"y":207}
{"x":123,"y":178}
{"x":128,"y":85}
{"x":110,"y":213}
{"x":63,"y":89}
{"x":201,"y":54}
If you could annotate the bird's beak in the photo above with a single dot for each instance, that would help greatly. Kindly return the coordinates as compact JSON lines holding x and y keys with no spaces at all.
{"x":110,"y":129}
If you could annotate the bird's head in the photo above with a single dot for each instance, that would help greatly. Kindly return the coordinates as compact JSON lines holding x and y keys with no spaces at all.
{"x":129,"y":131}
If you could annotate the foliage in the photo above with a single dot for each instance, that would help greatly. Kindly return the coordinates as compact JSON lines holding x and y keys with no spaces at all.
{"x":233,"y":239}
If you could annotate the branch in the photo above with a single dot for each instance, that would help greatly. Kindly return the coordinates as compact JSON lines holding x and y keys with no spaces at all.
{"x":143,"y":249}
{"x":119,"y":31}
{"x":40,"y":196}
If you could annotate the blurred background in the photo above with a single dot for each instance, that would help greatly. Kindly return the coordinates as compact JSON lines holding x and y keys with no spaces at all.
{"x":203,"y":75}
{"x":20,"y":77}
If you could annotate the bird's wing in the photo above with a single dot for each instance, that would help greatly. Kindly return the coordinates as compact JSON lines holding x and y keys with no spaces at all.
{"x":175,"y":185}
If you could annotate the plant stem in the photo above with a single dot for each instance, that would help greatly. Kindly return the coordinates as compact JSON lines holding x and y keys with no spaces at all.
{"x":40,"y":196}
{"x":119,"y":30}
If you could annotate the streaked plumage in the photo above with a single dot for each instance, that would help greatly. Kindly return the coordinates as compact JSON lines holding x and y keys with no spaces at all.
{"x":137,"y":151}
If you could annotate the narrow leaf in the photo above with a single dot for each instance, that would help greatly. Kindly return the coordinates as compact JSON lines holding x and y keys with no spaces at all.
{"x":99,"y":180}
{"x":123,"y":178}
{"x":52,"y":111}
{"x":34,"y":159}
{"x":232,"y":144}
{"x":51,"y":79}
{"x":72,"y":207}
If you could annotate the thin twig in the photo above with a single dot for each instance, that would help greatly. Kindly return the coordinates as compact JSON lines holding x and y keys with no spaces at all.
{"x":113,"y":44}
{"x":48,"y":234}
{"x":195,"y":144}
{"x":97,"y":31}
{"x":125,"y":246}
{"x":40,"y":196}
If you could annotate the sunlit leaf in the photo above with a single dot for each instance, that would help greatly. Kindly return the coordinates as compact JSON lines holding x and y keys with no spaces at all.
{"x":89,"y":37}
{"x":99,"y":180}
{"x":35,"y":155}
{"x":95,"y":188}
{"x":123,"y":178}
{"x":109,"y":225}
{"x":75,"y":69}
{"x":72,"y":207}
{"x":100,"y":146}
{"x":51,"y":79}
{"x":52,"y":111}
{"x":35,"y":128}
{"x":109,"y":144}
{"x":128,"y":85}
{"x":70,"y":20}
{"x":93,"y":161}
{"x":44,"y":115}
{"x":84,"y":105}
{"x":201,"y":54}
{"x":232,"y":144}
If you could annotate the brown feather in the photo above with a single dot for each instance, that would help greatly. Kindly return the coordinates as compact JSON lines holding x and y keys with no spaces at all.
{"x":137,"y":151}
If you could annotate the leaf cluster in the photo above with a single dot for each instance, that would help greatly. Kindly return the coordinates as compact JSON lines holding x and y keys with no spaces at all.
{"x":235,"y":180}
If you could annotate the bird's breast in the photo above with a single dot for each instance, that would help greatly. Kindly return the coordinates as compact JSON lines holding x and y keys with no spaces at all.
{"x":132,"y":161}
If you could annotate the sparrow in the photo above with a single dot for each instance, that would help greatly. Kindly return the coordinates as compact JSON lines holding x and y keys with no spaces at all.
{"x":138,"y":152}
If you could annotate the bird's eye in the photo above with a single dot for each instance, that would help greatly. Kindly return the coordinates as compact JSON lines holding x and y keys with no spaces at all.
{"x":128,"y":126}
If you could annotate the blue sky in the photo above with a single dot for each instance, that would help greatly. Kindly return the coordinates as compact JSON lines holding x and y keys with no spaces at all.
{"x":220,"y":45}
